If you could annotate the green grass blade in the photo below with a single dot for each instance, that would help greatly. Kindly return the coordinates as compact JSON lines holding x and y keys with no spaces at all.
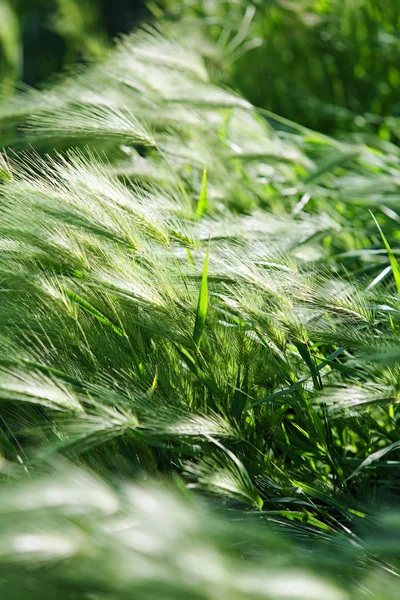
{"x":197,"y":372}
{"x":306,"y":356}
{"x":93,"y":311}
{"x":298,"y":383}
{"x":202,"y":305}
{"x":203,"y":198}
{"x":374,"y":457}
{"x":393,"y":261}
{"x":240,"y":396}
{"x":336,"y":159}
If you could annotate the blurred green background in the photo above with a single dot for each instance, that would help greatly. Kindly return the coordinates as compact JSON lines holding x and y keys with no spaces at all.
{"x":332,"y":65}
{"x":41,"y":37}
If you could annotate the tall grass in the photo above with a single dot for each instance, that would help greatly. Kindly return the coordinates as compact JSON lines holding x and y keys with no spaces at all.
{"x":196,"y":289}
{"x":72,"y":535}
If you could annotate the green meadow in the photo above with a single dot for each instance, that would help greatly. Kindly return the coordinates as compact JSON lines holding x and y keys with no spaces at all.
{"x":200,"y":300}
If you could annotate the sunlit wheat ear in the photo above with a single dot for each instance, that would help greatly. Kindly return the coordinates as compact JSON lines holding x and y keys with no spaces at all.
{"x":151,"y":46}
{"x":87,"y":183}
{"x":25,"y":102}
{"x":80,"y":121}
{"x":81,"y":197}
{"x":345,"y":401}
{"x":75,"y":436}
{"x":5,"y":168}
{"x":36,"y":388}
{"x":221,"y":473}
{"x":177,"y":422}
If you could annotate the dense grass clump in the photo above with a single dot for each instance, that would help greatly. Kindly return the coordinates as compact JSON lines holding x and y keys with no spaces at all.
{"x":198,"y":290}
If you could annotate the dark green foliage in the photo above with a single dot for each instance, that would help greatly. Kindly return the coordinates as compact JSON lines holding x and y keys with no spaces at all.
{"x":40,"y":37}
{"x":327,"y":64}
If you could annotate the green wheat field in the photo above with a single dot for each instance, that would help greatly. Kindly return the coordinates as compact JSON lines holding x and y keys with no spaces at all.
{"x":200,"y":300}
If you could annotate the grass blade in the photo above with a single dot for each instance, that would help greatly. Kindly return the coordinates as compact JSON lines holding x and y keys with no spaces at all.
{"x":93,"y":311}
{"x":240,"y":396}
{"x":373,"y":457}
{"x":203,"y":198}
{"x":202,"y":305}
{"x":393,"y":261}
